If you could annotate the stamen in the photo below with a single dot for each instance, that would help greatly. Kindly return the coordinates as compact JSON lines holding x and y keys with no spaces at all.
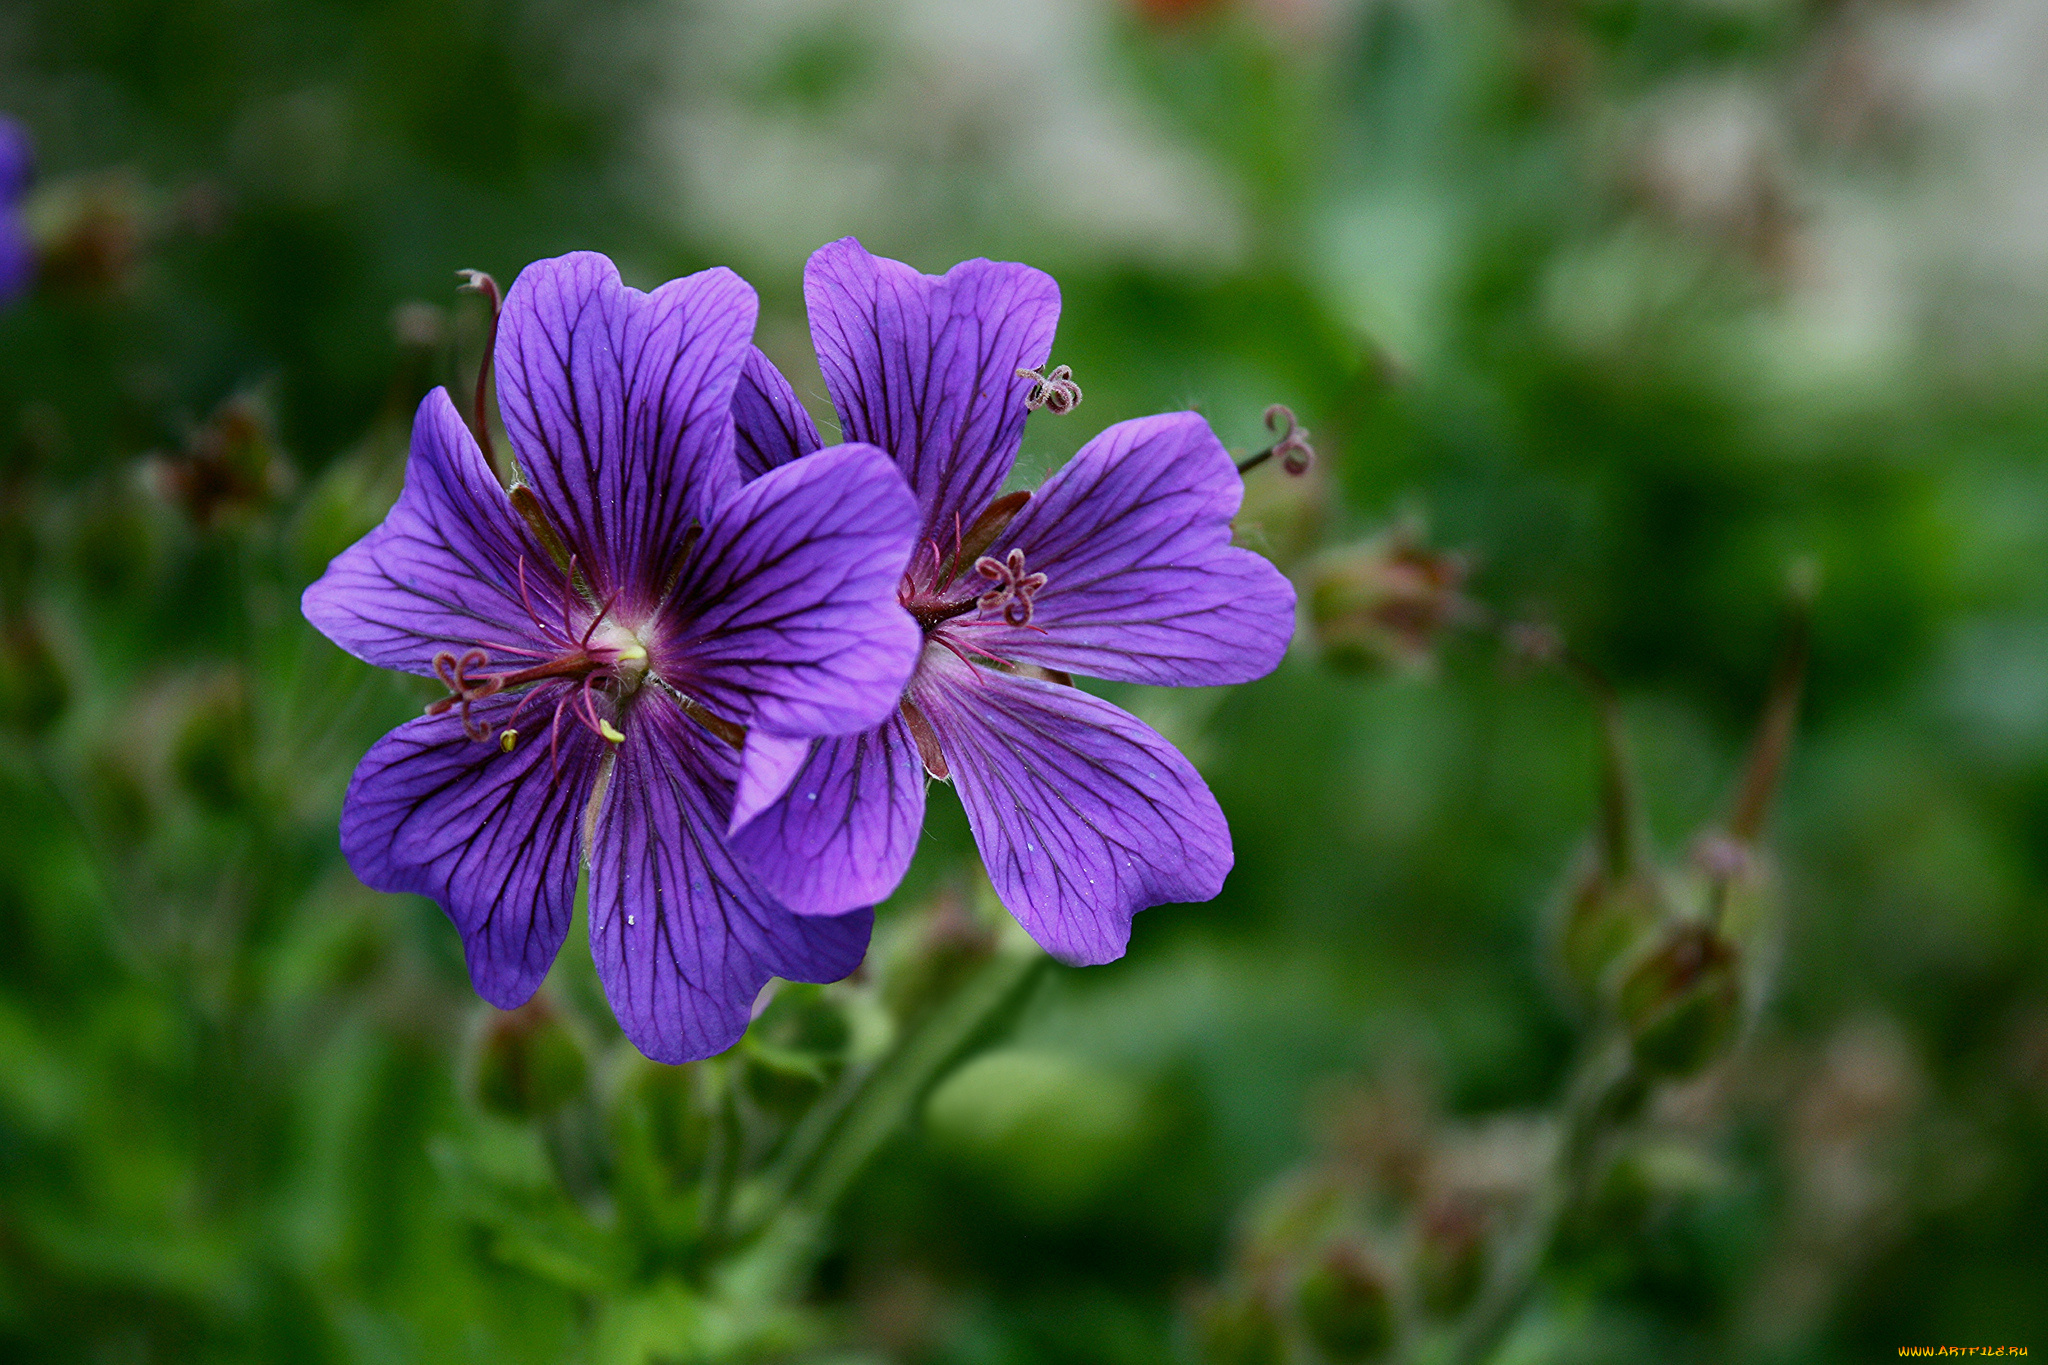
{"x":475,"y":281}
{"x":604,"y":727}
{"x":1014,"y":588}
{"x":526,"y":598}
{"x":584,"y":643}
{"x":507,"y":739}
{"x":982,"y":533}
{"x":1056,"y":392}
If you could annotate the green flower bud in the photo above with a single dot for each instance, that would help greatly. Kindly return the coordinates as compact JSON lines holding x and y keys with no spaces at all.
{"x":528,"y":1063}
{"x":936,"y":956}
{"x":1346,"y":1306}
{"x":1450,"y":1255}
{"x":33,"y":689}
{"x":796,"y":1046}
{"x":213,"y":753}
{"x":1383,"y":603}
{"x":1604,"y":920}
{"x":1682,"y":1001}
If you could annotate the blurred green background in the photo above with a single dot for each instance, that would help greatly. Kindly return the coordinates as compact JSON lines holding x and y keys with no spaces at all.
{"x":1632,"y":303}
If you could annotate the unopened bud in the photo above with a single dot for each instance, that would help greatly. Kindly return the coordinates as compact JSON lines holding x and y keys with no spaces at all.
{"x":1450,"y":1255}
{"x":796,"y":1044}
{"x":936,"y":957}
{"x":90,"y":233}
{"x":33,"y":689}
{"x":1683,"y":1001}
{"x":1603,"y":920}
{"x":229,"y":467}
{"x":528,"y":1062}
{"x":1385,"y":602}
{"x":1238,"y":1328}
{"x":213,"y":753}
{"x":661,"y":1122}
{"x":1346,"y":1305}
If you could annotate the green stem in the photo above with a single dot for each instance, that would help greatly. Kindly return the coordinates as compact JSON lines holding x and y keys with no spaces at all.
{"x":1605,"y":1072}
{"x":827,"y":1157}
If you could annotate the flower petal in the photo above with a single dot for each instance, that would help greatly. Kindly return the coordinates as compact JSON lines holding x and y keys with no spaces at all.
{"x":1142,"y":582}
{"x":842,"y":834}
{"x":925,"y":366}
{"x":684,"y":937}
{"x":770,"y":422}
{"x":619,"y":404}
{"x":768,"y":764}
{"x":17,"y":162}
{"x":786,"y":615}
{"x":443,"y":570}
{"x":1083,"y":814}
{"x":490,"y":836}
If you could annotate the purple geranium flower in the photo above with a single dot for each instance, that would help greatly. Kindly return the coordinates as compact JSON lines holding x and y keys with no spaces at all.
{"x":605,"y":631}
{"x":17,"y":251}
{"x":1120,"y":567}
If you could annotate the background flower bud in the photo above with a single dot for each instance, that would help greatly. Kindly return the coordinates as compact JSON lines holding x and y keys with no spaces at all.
{"x":1383,"y":603}
{"x":1603,"y":920}
{"x":1450,"y":1254}
{"x":1346,"y":1305}
{"x":528,"y":1062}
{"x":1238,"y":1328}
{"x":1683,"y":1000}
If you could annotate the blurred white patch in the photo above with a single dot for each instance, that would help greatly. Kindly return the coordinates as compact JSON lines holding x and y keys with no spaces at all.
{"x":927,"y":127}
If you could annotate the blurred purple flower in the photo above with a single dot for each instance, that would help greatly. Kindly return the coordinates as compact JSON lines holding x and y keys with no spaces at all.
{"x":1120,"y":567}
{"x":17,"y":250}
{"x":604,"y":632}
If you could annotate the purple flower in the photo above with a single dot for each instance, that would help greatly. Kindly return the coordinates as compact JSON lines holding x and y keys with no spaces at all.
{"x":1120,"y":567}
{"x":605,"y":632}
{"x":17,"y":251}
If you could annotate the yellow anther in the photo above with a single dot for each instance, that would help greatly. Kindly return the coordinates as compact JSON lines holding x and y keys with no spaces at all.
{"x":633,"y":653}
{"x":604,"y":727}
{"x":507,"y":740}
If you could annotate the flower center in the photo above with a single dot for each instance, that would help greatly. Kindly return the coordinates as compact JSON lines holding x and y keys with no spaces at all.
{"x":608,"y":653}
{"x":932,"y":593}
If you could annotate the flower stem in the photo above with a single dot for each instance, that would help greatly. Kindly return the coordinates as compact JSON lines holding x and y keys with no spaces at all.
{"x":853,"y":1125}
{"x":1605,"y":1075}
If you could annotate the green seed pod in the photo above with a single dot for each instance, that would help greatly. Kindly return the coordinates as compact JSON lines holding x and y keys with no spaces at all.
{"x":1682,"y":1001}
{"x":528,"y":1063}
{"x":1346,"y":1306}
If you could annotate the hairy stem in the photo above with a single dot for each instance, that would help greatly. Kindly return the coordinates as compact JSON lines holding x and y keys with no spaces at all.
{"x":1606,"y":1073}
{"x":832,"y":1147}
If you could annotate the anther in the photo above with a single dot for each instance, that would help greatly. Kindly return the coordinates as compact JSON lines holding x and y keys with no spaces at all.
{"x":507,"y":740}
{"x":1013,"y":588}
{"x":1055,"y":391}
{"x":604,"y":727}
